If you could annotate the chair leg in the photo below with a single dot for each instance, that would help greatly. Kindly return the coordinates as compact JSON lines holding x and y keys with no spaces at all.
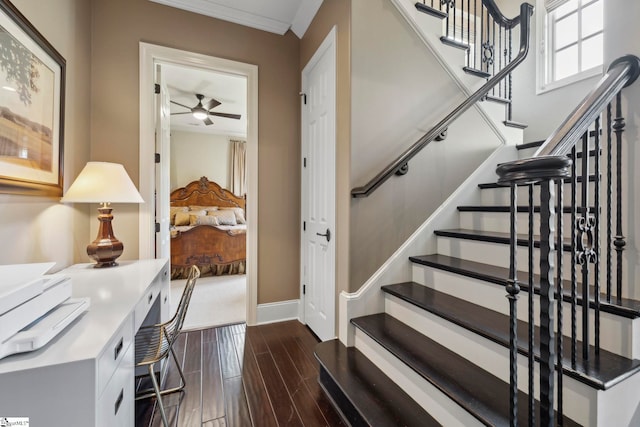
{"x":156,"y":387}
{"x":184,"y":382}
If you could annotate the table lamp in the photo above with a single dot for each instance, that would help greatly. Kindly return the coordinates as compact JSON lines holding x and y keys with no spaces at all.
{"x":106,"y":183}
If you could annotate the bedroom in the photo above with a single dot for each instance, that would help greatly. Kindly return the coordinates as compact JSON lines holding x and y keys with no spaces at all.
{"x":209,"y":154}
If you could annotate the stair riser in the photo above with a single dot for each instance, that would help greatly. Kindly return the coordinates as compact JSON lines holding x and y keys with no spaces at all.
{"x":439,"y":406}
{"x":499,"y":254}
{"x":499,"y":221}
{"x":618,"y":334}
{"x":501,"y":196}
{"x":492,"y":357}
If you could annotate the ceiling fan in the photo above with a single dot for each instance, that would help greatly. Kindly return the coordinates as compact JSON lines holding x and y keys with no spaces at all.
{"x":201,"y":112}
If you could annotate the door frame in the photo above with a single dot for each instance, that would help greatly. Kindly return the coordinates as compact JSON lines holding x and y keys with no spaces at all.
{"x":150,"y":55}
{"x":328,"y":45}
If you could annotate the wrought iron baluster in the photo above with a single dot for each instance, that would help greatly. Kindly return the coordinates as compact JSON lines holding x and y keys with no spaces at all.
{"x":468,"y":32}
{"x":513,"y":289}
{"x":585,"y":241}
{"x":547,"y":335}
{"x":574,"y":277}
{"x":596,"y":233}
{"x":510,"y":83}
{"x":454,"y":20}
{"x":609,"y":211}
{"x":479,"y":48}
{"x":531,"y":320}
{"x":559,"y":294}
{"x":619,"y":243}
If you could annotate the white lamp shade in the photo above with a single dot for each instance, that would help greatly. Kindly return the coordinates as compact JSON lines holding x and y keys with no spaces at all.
{"x":102,"y":182}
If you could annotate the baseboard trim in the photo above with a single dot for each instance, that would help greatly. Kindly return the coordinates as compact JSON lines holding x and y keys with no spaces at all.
{"x":277,"y":311}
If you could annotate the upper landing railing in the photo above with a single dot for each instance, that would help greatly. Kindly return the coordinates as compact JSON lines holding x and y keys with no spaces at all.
{"x":493,"y":27}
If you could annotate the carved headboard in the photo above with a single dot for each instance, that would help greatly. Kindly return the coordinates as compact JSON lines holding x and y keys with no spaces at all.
{"x":205,"y":193}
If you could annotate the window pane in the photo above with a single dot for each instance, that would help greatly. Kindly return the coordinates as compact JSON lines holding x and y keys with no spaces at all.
{"x":592,"y":19}
{"x":566,"y":63}
{"x":569,"y":6}
{"x":566,"y":31}
{"x":592,"y":52}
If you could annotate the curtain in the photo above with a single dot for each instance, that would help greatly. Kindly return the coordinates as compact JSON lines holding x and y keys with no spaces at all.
{"x":238,"y":167}
{"x":550,"y":5}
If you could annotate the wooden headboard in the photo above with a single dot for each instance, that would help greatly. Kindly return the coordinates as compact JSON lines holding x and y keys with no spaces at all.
{"x":205,"y":193}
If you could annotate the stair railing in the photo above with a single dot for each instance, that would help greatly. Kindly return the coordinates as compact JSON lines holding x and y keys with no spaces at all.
{"x":485,"y":33}
{"x":400,"y":165}
{"x":554,"y":163}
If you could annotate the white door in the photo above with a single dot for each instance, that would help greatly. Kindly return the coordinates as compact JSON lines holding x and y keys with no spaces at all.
{"x":318,"y":189}
{"x":163,"y":135}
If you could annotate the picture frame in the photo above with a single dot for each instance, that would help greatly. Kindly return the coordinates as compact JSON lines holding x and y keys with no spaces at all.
{"x":32,"y":89}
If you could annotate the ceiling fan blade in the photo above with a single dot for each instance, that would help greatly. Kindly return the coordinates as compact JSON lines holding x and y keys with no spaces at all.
{"x":182,"y":105}
{"x":207,"y":121}
{"x":212,"y":104}
{"x":186,"y":112}
{"x":227,"y":115}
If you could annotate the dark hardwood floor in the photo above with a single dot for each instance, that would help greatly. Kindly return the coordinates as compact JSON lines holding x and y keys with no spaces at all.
{"x":245,"y":376}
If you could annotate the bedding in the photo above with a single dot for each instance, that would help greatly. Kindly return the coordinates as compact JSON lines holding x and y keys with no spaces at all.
{"x":208,"y":229}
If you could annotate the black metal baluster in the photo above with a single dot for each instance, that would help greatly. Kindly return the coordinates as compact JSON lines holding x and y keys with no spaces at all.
{"x":596,"y":234}
{"x":574,"y":276}
{"x":454,"y":20}
{"x":513,"y":289}
{"x":609,"y":209}
{"x":532,"y":398}
{"x":475,"y":33}
{"x":479,"y":48}
{"x":559,"y":294}
{"x":493,"y":57}
{"x":584,"y":223}
{"x":500,"y":60}
{"x":547,"y":335}
{"x":619,"y":243}
{"x":510,"y":89}
{"x":468,"y":32}
{"x":448,"y":23}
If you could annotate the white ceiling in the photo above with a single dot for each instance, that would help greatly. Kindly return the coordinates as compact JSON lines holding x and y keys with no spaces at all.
{"x":184,"y":83}
{"x":276,"y":16}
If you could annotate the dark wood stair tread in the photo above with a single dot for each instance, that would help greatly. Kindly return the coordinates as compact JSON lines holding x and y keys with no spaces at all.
{"x":504,"y":209}
{"x":495,"y":237}
{"x":476,"y":72}
{"x":513,"y":124}
{"x":490,"y":273}
{"x":365,"y":395}
{"x":497,"y":99}
{"x":592,"y":178}
{"x":483,"y":395}
{"x":601,"y":372}
{"x":431,"y":11}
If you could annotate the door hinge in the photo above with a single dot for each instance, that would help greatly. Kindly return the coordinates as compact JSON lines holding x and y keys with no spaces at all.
{"x":156,"y":88}
{"x":157,"y":227}
{"x":304,"y":225}
{"x":304,"y":162}
{"x":304,"y":97}
{"x":304,"y":289}
{"x":157,"y":157}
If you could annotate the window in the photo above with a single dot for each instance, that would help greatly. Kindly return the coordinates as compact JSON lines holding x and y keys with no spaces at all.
{"x":573,"y":41}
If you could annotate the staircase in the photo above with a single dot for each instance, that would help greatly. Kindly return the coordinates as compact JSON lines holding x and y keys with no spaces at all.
{"x":438,"y":346}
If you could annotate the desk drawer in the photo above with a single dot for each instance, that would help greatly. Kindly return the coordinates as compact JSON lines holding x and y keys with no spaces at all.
{"x":116,"y":405}
{"x":114,"y":353}
{"x":153,"y":291}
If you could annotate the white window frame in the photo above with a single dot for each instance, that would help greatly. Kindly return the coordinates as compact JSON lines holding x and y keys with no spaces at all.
{"x":544,"y":62}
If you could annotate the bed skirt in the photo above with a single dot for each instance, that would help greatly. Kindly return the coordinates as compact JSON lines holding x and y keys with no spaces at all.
{"x":237,"y":267}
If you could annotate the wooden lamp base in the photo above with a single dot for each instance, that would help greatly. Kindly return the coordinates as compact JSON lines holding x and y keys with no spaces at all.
{"x":106,"y":248}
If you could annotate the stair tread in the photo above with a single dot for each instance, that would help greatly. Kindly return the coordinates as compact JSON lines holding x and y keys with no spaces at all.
{"x":454,"y":43}
{"x":483,"y":395}
{"x":592,"y":178}
{"x":376,"y":398}
{"x":503,"y":209}
{"x":495,"y":237}
{"x":497,"y":99}
{"x":624,"y":307}
{"x":601,"y":371}
{"x":431,"y":11}
{"x":476,"y":72}
{"x":514,"y":124}
{"x":531,"y":144}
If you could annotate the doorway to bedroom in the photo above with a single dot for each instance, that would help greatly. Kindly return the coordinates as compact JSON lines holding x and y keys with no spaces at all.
{"x":204,"y":110}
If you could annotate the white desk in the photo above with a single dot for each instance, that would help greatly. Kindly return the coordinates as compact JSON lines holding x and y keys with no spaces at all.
{"x":85,"y":376}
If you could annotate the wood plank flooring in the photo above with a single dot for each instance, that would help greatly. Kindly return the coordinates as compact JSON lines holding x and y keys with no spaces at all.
{"x":244,"y":376}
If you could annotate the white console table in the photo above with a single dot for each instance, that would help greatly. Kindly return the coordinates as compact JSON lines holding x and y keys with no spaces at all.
{"x":85,"y":375}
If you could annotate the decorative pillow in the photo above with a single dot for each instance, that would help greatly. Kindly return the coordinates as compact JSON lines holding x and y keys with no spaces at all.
{"x":181,"y":218}
{"x":193,"y":216}
{"x":206,"y":220}
{"x":239,"y":213}
{"x":203,"y":208}
{"x":175,"y":209}
{"x":224,"y":217}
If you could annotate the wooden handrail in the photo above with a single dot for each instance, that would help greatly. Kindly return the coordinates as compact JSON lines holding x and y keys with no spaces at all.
{"x":526,"y":10}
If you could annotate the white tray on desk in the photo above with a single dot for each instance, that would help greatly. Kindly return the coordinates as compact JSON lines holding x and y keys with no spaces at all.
{"x":40,"y":332}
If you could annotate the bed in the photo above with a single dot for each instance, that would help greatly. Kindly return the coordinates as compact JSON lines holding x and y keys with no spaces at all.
{"x":208,"y":229}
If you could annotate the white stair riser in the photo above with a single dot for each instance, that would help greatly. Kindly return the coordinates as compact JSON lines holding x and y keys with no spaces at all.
{"x":499,"y":221}
{"x":492,"y":357}
{"x":618,"y":334}
{"x":502,"y":196}
{"x":439,"y":406}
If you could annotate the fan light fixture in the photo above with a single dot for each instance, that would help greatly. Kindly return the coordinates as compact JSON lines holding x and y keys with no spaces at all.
{"x":200,"y":114}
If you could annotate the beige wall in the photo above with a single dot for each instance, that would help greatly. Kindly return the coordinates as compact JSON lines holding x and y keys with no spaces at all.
{"x":337,"y":12}
{"x":195,"y":154}
{"x":118,"y":27}
{"x":37,"y":229}
{"x":399,"y":91}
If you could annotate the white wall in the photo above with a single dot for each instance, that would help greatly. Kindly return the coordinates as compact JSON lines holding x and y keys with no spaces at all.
{"x":38,"y":229}
{"x":194,"y":155}
{"x":399,"y":91}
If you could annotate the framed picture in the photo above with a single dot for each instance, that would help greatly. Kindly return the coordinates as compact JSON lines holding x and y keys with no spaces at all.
{"x":32,"y":86}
